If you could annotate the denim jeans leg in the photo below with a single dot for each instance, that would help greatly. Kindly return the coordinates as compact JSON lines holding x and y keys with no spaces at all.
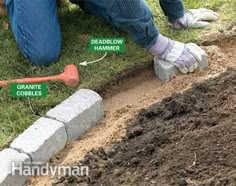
{"x":173,"y":9}
{"x":132,"y":16}
{"x":36,"y":29}
{"x":94,"y":7}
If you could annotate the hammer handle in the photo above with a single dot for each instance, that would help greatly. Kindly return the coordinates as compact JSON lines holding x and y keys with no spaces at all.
{"x":32,"y":80}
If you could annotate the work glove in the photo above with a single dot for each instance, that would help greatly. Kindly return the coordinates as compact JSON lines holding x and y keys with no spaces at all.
{"x":184,"y":56}
{"x":195,"y":18}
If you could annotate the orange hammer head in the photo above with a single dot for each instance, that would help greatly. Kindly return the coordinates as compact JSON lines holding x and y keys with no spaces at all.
{"x":70,"y":76}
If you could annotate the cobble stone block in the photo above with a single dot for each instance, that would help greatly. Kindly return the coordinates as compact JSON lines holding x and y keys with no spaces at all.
{"x":79,"y":112}
{"x":166,"y":71}
{"x":42,"y":140}
{"x":11,"y":160}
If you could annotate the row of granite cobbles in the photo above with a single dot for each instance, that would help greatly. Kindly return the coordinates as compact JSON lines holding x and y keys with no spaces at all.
{"x":49,"y":135}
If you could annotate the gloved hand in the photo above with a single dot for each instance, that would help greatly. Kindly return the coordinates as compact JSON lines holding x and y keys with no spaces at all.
{"x":184,"y":56}
{"x":195,"y":18}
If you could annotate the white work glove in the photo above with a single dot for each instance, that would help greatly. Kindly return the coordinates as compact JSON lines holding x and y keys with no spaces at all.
{"x":186,"y":57}
{"x":198,"y":18}
{"x":195,"y":18}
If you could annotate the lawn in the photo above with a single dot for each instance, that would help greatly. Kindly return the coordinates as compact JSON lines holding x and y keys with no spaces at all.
{"x":16,"y":114}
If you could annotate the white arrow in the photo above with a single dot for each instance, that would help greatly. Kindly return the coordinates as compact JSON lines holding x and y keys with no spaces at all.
{"x":85,"y":63}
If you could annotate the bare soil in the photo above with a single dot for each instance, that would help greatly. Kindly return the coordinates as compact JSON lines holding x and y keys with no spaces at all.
{"x":123,"y":103}
{"x":186,"y":139}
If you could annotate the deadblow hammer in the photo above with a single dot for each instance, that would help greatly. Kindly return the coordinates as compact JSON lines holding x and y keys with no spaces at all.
{"x":70,"y":77}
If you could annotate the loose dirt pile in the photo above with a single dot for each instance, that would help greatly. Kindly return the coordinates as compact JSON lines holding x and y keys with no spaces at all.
{"x":186,"y":139}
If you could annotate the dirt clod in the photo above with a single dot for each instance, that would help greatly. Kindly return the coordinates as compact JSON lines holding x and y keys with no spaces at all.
{"x":134,"y":132}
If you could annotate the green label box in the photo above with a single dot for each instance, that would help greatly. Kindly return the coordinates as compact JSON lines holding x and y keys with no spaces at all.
{"x":29,"y":90}
{"x":107,"y":45}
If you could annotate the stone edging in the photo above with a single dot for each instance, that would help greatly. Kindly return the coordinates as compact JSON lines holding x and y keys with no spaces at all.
{"x":49,"y":134}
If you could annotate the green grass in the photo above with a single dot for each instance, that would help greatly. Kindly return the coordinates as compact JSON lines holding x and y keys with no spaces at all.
{"x":16,"y":115}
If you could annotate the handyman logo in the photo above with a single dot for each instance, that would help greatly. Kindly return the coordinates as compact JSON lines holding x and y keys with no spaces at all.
{"x":40,"y":169}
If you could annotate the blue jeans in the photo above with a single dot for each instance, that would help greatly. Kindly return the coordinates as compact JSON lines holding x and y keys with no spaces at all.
{"x":37,"y":32}
{"x":36,"y":29}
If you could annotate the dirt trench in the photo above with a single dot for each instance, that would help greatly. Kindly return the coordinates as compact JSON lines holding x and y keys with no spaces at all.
{"x":186,"y":139}
{"x":176,"y":134}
